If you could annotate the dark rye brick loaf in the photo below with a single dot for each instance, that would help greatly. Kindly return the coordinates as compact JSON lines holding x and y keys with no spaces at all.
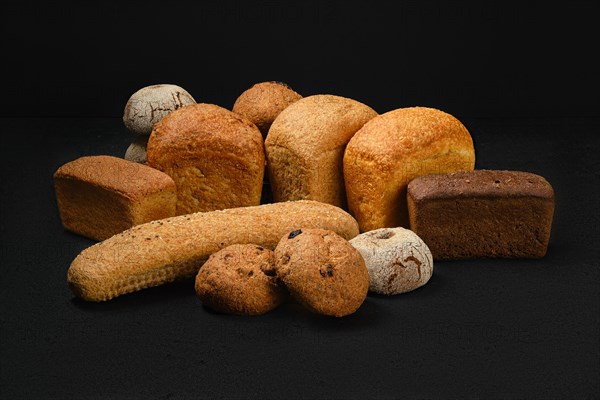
{"x":482,"y":214}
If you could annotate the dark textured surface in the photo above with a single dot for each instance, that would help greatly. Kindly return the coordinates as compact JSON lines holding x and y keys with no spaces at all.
{"x":481,"y":183}
{"x":479,"y":329}
{"x":482,"y":214}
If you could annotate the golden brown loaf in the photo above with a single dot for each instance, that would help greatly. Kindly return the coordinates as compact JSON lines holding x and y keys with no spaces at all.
{"x":215,"y":157}
{"x":100,"y":196}
{"x":305,"y":147}
{"x":263,"y":102}
{"x":166,"y":250}
{"x":391,"y":150}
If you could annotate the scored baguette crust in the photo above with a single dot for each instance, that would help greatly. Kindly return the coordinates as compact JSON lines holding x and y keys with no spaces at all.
{"x":305,"y":147}
{"x":165,"y":250}
{"x":392,"y":149}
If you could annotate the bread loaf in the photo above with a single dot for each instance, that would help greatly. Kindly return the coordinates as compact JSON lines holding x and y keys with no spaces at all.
{"x":100,"y":196}
{"x":136,"y":151}
{"x":166,"y":250}
{"x":482,"y":213}
{"x":390,"y":151}
{"x":263,"y":102}
{"x":397,"y":259}
{"x":215,"y":157}
{"x":150,"y":104}
{"x":305,"y":147}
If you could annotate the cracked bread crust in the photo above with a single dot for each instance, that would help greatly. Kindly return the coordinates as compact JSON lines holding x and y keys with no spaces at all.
{"x":263,"y":102}
{"x":240,"y":279}
{"x":482,"y":214}
{"x":174,"y":248}
{"x":150,"y":104}
{"x":392,"y":149}
{"x":322,"y":271}
{"x":101,"y":196}
{"x":215,"y":157}
{"x":305,"y":147}
{"x":397,"y":259}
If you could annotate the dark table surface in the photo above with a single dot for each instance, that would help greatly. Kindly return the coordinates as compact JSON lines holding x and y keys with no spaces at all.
{"x":479,"y":329}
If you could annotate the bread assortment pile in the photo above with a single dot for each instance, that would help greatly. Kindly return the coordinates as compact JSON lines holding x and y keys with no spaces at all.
{"x":361,"y":201}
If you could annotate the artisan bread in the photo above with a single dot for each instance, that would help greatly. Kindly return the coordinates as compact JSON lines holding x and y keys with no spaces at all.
{"x":390,"y":151}
{"x":482,"y":214}
{"x":136,"y":151}
{"x":305,"y":147}
{"x":100,"y":196}
{"x":215,"y":157}
{"x":397,"y":259}
{"x":263,"y":102}
{"x":166,"y":250}
{"x":150,"y":104}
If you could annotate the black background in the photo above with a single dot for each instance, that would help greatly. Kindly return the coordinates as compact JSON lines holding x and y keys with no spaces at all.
{"x":522,"y":77}
{"x":468,"y":58}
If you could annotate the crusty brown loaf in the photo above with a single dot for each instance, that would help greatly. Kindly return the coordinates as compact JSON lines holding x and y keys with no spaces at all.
{"x":323,"y":271}
{"x":215,"y":157}
{"x":482,"y":213}
{"x":100,"y":196}
{"x":394,"y":148}
{"x":166,"y":250}
{"x":263,"y":102}
{"x":305,"y":147}
{"x":240,"y":279}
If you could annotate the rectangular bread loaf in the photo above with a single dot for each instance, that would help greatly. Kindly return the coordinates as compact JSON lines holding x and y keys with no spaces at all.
{"x":100,"y":196}
{"x":482,"y":214}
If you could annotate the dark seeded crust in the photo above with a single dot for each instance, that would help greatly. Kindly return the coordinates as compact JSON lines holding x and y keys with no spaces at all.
{"x":480,"y":183}
{"x":482,"y":214}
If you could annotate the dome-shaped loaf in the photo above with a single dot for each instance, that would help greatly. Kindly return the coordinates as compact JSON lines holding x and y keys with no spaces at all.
{"x":305,"y":147}
{"x":391,"y":150}
{"x":263,"y":102}
{"x":215,"y":157}
{"x":150,"y":104}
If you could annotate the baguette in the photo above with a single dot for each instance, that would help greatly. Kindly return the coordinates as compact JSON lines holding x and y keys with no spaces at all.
{"x":166,"y":250}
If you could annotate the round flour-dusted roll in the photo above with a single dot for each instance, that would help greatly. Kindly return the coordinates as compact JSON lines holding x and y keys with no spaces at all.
{"x":392,"y":149}
{"x":150,"y":104}
{"x":305,"y":147}
{"x":215,"y":156}
{"x":263,"y":102}
{"x":398,"y":260}
{"x":136,"y":151}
